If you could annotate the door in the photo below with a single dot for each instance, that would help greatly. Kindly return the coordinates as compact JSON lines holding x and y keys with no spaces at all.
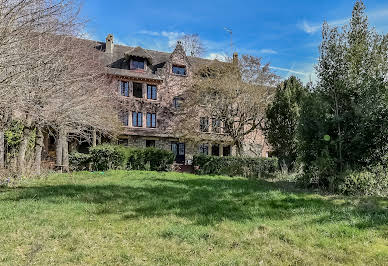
{"x":179,"y":150}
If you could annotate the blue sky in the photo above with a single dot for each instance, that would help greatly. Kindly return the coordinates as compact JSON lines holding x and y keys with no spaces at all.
{"x":285,"y":33}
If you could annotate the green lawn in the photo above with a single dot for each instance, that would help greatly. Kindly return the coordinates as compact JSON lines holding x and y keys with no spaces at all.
{"x":153,"y":218}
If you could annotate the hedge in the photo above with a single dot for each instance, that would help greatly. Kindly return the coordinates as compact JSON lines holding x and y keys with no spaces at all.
{"x":79,"y":161}
{"x":234,"y":166}
{"x":106,"y":156}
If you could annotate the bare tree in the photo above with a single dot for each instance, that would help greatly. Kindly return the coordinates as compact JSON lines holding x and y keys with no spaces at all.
{"x":236,"y":94}
{"x":48,"y":78}
{"x":192,"y":45}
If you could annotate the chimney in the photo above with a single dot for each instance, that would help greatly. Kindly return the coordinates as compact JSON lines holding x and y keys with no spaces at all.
{"x":235,"y":58}
{"x":109,"y":44}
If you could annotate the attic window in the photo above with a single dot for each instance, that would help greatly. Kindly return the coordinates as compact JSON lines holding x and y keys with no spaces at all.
{"x":179,"y":70}
{"x":137,"y":63}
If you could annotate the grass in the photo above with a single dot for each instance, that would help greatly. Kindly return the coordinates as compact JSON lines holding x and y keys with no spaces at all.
{"x":121,"y":217}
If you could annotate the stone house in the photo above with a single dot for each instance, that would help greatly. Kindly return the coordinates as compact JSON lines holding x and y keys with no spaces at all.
{"x":151,"y":84}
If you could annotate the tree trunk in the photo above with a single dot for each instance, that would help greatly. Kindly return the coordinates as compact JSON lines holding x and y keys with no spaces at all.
{"x":23,"y":149}
{"x":239,"y":149}
{"x":2,"y":149}
{"x":94,"y":138}
{"x":59,"y":148}
{"x":38,"y":150}
{"x":65,"y":152}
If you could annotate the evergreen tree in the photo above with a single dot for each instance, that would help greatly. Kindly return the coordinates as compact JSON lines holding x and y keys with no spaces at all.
{"x":282,"y":118}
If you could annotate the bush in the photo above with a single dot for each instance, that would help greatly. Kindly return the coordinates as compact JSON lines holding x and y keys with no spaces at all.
{"x":79,"y":161}
{"x":149,"y":159}
{"x":367,"y":182}
{"x":321,"y":173}
{"x":104,"y":157}
{"x":235,"y":166}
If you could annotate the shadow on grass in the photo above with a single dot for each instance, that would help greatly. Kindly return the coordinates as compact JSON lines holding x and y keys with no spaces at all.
{"x":204,"y":201}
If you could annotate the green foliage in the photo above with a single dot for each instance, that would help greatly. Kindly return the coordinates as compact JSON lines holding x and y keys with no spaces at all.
{"x":343,"y":123}
{"x":352,"y":84}
{"x":149,"y":159}
{"x":13,"y":135}
{"x":235,"y":166}
{"x":320,"y":173}
{"x":79,"y":161}
{"x":282,"y":118}
{"x":104,"y":157}
{"x":366,"y":182}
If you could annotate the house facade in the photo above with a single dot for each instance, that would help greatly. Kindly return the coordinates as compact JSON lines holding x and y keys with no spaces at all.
{"x":151,"y":85}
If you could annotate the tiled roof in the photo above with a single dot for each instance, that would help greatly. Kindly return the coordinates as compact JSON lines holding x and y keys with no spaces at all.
{"x":117,"y":58}
{"x":133,"y":74}
{"x":139,"y":52}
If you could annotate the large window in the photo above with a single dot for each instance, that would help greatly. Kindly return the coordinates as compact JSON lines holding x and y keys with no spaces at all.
{"x":123,"y":117}
{"x":179,"y":70}
{"x":124,"y":88}
{"x":204,"y":124}
{"x":137,"y":90}
{"x":151,"y":120}
{"x":216,"y":125}
{"x":151,"y":92}
{"x":204,"y":149}
{"x":137,"y":63}
{"x":137,"y":119}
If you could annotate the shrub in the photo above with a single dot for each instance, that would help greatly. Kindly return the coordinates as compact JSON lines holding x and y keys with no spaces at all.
{"x":104,"y":157}
{"x":320,"y":173}
{"x":79,"y":161}
{"x":366,"y":182}
{"x":149,"y":159}
{"x":235,"y":166}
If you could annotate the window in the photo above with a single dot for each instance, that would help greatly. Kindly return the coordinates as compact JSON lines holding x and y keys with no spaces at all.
{"x":123,"y":117}
{"x":124,"y":88}
{"x":226,"y":151}
{"x":137,"y":90}
{"x":137,"y":63}
{"x":123,"y":142}
{"x":151,"y":92}
{"x":216,"y":125}
{"x":150,"y":143}
{"x":179,"y":70}
{"x":151,"y":120}
{"x":204,"y":149}
{"x":216,"y":150}
{"x":137,"y":119}
{"x":176,"y":102}
{"x":204,"y":124}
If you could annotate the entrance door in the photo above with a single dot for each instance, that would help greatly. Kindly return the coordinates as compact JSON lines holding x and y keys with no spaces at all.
{"x":179,"y":150}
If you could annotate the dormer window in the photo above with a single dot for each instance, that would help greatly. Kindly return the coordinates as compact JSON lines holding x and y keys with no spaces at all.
{"x":179,"y":70}
{"x":137,"y":63}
